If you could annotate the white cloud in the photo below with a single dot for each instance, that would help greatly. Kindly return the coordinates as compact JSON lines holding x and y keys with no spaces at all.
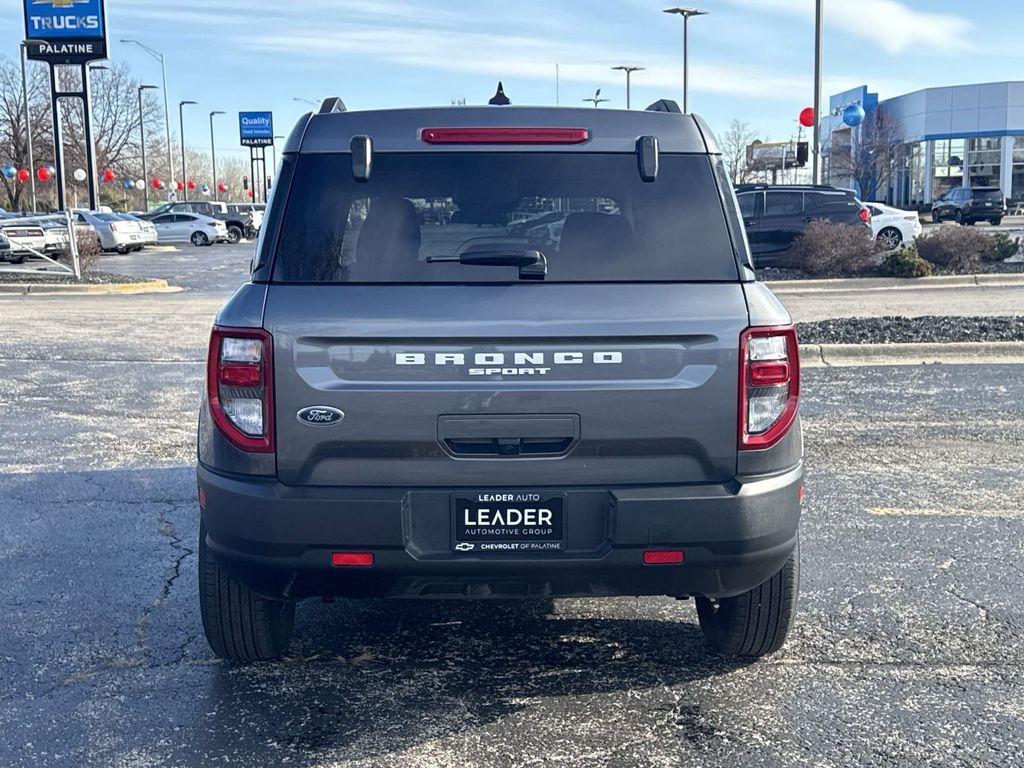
{"x":891,"y":25}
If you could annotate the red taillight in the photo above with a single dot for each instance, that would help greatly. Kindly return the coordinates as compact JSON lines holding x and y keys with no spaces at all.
{"x":865,"y":215}
{"x":240,"y":386}
{"x":352,"y":558}
{"x":663,"y":556}
{"x":504,"y":135}
{"x":769,"y":385}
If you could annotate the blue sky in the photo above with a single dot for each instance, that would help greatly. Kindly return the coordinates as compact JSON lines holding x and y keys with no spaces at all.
{"x":749,"y":59}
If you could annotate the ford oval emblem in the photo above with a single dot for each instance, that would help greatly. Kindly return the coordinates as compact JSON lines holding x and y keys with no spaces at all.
{"x":320,"y":415}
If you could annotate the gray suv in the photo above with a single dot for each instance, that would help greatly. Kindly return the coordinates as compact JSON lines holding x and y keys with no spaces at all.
{"x":493,"y":352}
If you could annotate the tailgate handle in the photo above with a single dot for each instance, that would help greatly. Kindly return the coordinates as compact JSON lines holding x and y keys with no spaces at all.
{"x":508,"y":436}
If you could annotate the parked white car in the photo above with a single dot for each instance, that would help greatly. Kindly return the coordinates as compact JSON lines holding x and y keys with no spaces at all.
{"x":149,"y":235}
{"x":190,"y":227}
{"x":893,"y":227}
{"x":115,"y":233}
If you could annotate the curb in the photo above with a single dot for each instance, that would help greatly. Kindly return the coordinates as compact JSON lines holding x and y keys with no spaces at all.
{"x":954,"y":353}
{"x":847,"y":285}
{"x":38,"y":289}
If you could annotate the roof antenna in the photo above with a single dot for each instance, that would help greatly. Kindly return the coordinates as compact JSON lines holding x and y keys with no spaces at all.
{"x":499,"y":98}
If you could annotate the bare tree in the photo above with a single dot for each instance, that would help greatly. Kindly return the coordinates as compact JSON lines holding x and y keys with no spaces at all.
{"x":734,"y":149}
{"x":13,"y":140}
{"x":868,"y":157}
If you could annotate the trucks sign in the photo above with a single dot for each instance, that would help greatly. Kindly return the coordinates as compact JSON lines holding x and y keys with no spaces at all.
{"x":256,"y":129}
{"x":66,"y":31}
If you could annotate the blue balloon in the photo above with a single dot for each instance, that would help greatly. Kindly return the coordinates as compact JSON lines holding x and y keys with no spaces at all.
{"x":204,"y":189}
{"x":853,"y":115}
{"x":10,"y":171}
{"x":129,"y":184}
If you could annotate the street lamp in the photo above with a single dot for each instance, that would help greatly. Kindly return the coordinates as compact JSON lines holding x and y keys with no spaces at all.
{"x":142,"y":140}
{"x":304,"y":101}
{"x":596,"y":98}
{"x":181,"y":127}
{"x":629,"y":71}
{"x":815,"y":178}
{"x":167,"y":112}
{"x":213,"y":154}
{"x":686,"y":13}
{"x":23,"y":46}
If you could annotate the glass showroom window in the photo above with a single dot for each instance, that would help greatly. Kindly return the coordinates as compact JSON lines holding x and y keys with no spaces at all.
{"x":1017,"y":191}
{"x":947,"y":166}
{"x":983,"y":162}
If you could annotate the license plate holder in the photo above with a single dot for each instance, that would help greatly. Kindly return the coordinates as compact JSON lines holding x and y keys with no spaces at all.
{"x":508,"y":521}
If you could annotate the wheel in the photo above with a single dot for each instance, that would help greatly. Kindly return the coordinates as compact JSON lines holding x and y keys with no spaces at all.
{"x":997,"y":222}
{"x":958,"y":217}
{"x":890,"y":238}
{"x":199,"y":239}
{"x":234,"y":234}
{"x":754,"y":623}
{"x":239,"y":624}
{"x":122,"y":250}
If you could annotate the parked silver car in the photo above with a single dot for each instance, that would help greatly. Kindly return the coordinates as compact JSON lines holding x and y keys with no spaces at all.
{"x":115,"y":233}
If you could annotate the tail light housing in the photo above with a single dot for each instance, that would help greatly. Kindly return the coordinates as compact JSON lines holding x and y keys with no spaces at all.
{"x":865,"y":215}
{"x":240,"y":386}
{"x":769,"y":385}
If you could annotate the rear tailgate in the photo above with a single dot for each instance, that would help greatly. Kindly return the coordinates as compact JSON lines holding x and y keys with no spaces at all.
{"x":503,"y":385}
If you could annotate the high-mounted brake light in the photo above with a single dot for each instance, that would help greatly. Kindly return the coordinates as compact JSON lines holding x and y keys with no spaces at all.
{"x":769,"y":385}
{"x":240,"y":386}
{"x":504,"y":135}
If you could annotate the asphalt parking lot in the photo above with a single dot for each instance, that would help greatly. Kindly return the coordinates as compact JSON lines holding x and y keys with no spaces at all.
{"x":909,"y":649}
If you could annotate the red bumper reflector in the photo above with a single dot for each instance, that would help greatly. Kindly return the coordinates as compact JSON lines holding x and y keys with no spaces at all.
{"x":504,"y":135}
{"x":352,"y":558}
{"x":663,"y":556}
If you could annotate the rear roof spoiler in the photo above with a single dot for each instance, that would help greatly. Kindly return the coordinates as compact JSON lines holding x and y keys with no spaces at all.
{"x":331,"y":105}
{"x":664,"y":105}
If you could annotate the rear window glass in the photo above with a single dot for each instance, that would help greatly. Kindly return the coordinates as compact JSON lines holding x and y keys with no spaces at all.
{"x":988,"y":194}
{"x":591,"y":216}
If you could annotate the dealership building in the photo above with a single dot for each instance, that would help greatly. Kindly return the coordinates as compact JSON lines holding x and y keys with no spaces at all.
{"x":962,"y":135}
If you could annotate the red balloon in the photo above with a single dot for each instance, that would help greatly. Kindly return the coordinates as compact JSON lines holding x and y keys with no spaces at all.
{"x":248,"y":193}
{"x":179,"y":185}
{"x":44,"y":174}
{"x":109,"y":175}
{"x":222,"y":188}
{"x":807,"y":117}
{"x":24,"y":176}
{"x":157,"y":183}
{"x":191,"y":184}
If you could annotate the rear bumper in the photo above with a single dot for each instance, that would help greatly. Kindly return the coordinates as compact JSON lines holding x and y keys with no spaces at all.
{"x":278,"y":540}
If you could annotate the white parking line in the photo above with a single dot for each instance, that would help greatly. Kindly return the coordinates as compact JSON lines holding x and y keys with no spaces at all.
{"x":950,"y":512}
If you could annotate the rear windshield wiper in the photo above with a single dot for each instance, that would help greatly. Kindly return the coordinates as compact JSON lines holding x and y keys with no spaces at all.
{"x":533,"y":265}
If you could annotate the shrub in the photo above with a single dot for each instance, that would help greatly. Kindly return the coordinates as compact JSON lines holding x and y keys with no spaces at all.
{"x":829,"y":249}
{"x":959,"y":250}
{"x":1003,"y":247}
{"x":88,"y":253}
{"x":905,"y":262}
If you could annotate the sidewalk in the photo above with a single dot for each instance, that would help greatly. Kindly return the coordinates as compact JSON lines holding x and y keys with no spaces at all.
{"x":849,"y":284}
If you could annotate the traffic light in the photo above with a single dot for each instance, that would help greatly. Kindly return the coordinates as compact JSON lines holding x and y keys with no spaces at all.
{"x":245,"y":182}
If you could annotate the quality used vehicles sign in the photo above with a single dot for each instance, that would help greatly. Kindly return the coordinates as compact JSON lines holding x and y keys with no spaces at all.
{"x":256,"y":129}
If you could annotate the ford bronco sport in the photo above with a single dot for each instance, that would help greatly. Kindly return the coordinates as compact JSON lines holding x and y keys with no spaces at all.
{"x":492,"y":352}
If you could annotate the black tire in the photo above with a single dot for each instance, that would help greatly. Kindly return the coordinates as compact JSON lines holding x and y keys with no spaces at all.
{"x":958,"y":217}
{"x":997,"y":222}
{"x":234,"y":234}
{"x":755,"y":623}
{"x":239,"y":624}
{"x":890,"y":238}
{"x":199,"y":239}
{"x":122,"y":250}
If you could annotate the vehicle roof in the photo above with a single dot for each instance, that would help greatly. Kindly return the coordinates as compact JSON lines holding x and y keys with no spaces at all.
{"x":792,"y":188}
{"x":398,"y":130}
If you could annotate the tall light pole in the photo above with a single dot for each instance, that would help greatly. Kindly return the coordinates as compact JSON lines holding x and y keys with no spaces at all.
{"x":815,"y":165}
{"x":686,"y":13}
{"x":629,"y":71}
{"x":181,"y":127}
{"x":167,"y":112}
{"x":213,"y":154}
{"x":23,"y":46}
{"x":142,"y":144}
{"x":304,"y":101}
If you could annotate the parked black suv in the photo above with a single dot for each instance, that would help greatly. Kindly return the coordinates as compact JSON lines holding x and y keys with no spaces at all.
{"x":969,"y":205}
{"x":415,"y":397}
{"x":776,"y":215}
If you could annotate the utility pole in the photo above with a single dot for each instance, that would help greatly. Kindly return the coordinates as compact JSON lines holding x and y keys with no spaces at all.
{"x":816,"y":149}
{"x":629,"y":71}
{"x":213,"y":155}
{"x":167,"y":112}
{"x":181,"y":127}
{"x":686,"y":13}
{"x":142,"y":144}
